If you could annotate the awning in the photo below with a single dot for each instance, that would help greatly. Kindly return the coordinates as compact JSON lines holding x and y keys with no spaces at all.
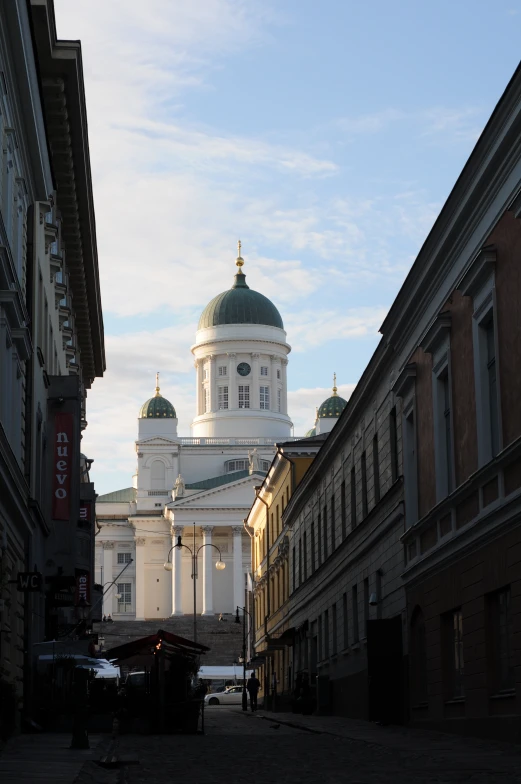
{"x":284,"y":640}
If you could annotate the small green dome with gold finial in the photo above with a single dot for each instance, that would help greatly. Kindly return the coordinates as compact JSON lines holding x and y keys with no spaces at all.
{"x":240,"y":305}
{"x":158,"y":407}
{"x":333,"y":406}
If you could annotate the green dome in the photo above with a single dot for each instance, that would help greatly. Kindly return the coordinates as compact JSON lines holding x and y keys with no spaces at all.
{"x":310,"y":433}
{"x":332,"y":407}
{"x":157,"y":408}
{"x":240,"y":305}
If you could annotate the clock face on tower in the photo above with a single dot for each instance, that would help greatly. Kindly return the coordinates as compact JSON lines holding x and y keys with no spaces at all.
{"x":243,"y":369}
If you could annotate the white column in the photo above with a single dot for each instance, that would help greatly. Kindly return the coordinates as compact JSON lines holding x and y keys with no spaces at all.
{"x":273,"y":384}
{"x":108,"y":549}
{"x":199,"y":388}
{"x":140,"y":578}
{"x":255,"y":392}
{"x":177,"y":595}
{"x":232,"y":381}
{"x":284,"y":386}
{"x":238,"y":571}
{"x":207,"y":571}
{"x":212,"y":382}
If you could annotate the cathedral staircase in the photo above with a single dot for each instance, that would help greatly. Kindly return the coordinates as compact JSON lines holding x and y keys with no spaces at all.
{"x":224,"y":638}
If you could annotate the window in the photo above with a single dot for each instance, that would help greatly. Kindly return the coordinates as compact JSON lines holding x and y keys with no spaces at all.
{"x":300,"y":561}
{"x":278,"y":375}
{"x":366,"y":604}
{"x":479,"y":283}
{"x":320,"y":639}
{"x":454,"y":623}
{"x":410,"y":468}
{"x":354,"y":611}
{"x":492,"y":401}
{"x":319,"y":538}
{"x":264,"y":397}
{"x":353,"y":498}
{"x":294,"y":568}
{"x":279,"y":399}
{"x":445,"y":463}
{"x":393,"y":436}
{"x":125,"y":599}
{"x":244,"y":396}
{"x":223,"y":371}
{"x":236,"y":465}
{"x":376,"y":469}
{"x":158,"y":475}
{"x":124,"y":558}
{"x":265,"y":465}
{"x":264,"y":370}
{"x":343,"y":509}
{"x":205,"y":375}
{"x":332,"y":522}
{"x":326,"y":634}
{"x":312,"y":539}
{"x":305,"y":555}
{"x":223,"y":397}
{"x":207,"y":400}
{"x":364,"y":485}
{"x":334,"y":647}
{"x":325,"y":531}
{"x":345,"y":621}
{"x":501,"y":639}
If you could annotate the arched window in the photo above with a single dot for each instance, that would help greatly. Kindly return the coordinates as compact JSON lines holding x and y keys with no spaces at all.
{"x":157,"y":475}
{"x":418,"y":659}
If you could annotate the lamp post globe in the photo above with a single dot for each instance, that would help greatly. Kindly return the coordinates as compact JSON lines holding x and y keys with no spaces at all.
{"x":220,"y":565}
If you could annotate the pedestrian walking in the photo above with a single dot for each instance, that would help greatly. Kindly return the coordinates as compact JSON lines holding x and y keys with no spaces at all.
{"x":253,"y":686}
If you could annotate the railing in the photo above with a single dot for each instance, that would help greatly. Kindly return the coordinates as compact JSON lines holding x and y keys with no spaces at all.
{"x":262,"y":441}
{"x":164,"y":493}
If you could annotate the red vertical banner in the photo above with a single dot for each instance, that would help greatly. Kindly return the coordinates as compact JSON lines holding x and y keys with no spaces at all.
{"x":62,"y":466}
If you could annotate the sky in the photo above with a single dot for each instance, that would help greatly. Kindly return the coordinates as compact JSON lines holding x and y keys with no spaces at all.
{"x":325,"y":134}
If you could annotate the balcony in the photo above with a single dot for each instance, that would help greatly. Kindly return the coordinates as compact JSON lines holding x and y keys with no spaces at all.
{"x":56,"y":263}
{"x":60,"y":293}
{"x":488,"y":499}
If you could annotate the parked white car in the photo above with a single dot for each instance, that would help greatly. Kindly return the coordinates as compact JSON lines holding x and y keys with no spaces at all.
{"x":230,"y":696}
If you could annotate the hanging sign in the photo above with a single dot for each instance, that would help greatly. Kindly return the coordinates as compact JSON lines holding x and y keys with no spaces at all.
{"x":82,"y":587}
{"x":62,"y":464}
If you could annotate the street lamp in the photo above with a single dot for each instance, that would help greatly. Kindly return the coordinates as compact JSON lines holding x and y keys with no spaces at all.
{"x":220,"y":565}
{"x":238,"y":620}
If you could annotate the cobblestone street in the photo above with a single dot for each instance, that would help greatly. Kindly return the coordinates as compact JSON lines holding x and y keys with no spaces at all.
{"x":244,"y":748}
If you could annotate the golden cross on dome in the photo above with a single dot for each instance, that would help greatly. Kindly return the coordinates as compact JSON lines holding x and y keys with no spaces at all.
{"x":335,"y":391}
{"x":239,"y":261}
{"x":157,"y":384}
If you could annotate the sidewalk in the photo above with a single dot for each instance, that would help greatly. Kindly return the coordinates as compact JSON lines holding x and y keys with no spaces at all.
{"x":445,"y":748}
{"x":41,"y":759}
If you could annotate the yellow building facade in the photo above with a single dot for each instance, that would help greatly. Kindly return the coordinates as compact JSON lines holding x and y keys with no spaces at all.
{"x":271,"y":546}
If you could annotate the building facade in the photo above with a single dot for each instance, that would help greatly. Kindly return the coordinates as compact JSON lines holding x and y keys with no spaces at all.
{"x":51,"y":337}
{"x":405,"y":533}
{"x":272,"y":636}
{"x":343,"y":524}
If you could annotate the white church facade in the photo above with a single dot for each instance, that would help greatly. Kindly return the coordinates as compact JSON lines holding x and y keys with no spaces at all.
{"x":201,"y":488}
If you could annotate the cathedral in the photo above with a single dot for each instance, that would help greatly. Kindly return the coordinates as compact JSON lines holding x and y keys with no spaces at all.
{"x":198,"y":490}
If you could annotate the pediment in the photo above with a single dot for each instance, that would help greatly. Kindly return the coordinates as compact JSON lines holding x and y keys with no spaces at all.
{"x":236,"y":494}
{"x":157,"y":441}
